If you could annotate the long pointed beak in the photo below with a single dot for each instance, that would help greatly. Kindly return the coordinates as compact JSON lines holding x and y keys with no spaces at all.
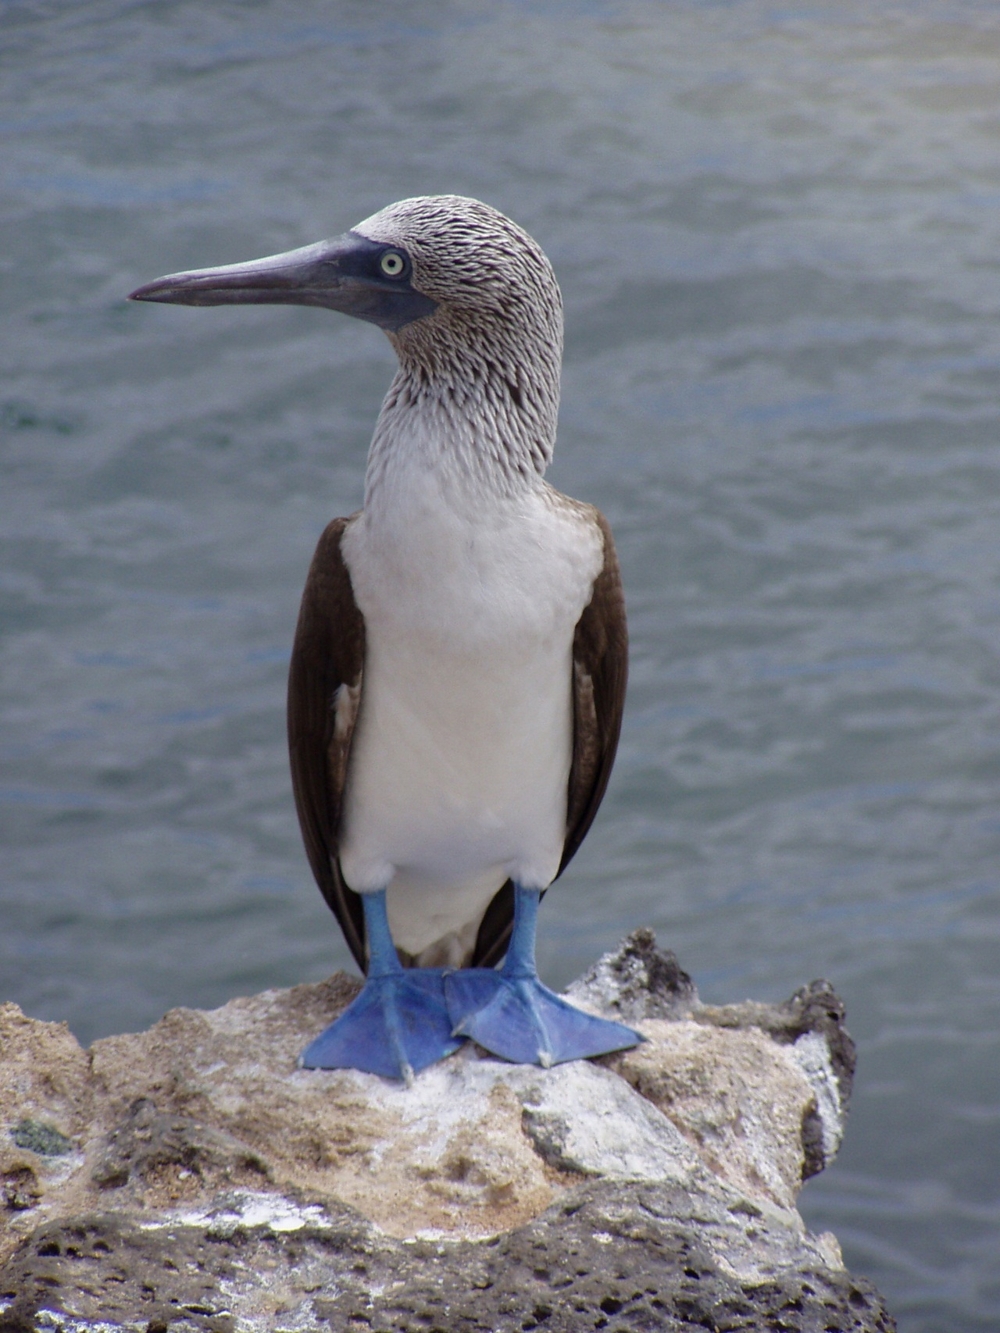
{"x":339,"y":275}
{"x":307,"y":276}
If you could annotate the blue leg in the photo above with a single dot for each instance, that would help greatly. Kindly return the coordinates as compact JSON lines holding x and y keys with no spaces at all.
{"x":399,"y":1023}
{"x":514,"y":1016}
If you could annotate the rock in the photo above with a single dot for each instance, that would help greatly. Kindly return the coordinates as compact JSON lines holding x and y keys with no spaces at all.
{"x":191,"y":1177}
{"x":637,"y":981}
{"x":148,"y":1144}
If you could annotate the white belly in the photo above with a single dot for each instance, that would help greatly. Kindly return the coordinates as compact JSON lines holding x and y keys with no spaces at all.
{"x":460,"y":761}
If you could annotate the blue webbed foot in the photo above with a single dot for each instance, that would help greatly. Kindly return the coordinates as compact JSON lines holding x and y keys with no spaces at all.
{"x":397,"y":1026}
{"x":514,"y":1016}
{"x":519,"y":1019}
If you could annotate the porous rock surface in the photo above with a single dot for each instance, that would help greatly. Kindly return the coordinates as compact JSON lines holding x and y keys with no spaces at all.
{"x":192,"y":1178}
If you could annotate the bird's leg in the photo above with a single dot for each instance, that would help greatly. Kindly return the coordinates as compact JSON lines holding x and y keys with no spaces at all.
{"x":399,"y":1023}
{"x":513,"y":1015}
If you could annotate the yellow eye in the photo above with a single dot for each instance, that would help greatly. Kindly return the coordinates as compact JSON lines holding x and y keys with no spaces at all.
{"x":392,"y":264}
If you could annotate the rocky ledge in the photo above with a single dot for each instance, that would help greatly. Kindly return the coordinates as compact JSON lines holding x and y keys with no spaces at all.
{"x":191,"y":1178}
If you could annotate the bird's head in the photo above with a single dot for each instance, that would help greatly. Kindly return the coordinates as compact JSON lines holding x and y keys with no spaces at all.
{"x":431,"y":271}
{"x":468,"y":300}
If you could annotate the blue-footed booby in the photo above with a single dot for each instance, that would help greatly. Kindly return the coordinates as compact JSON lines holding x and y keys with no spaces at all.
{"x":458,"y":673}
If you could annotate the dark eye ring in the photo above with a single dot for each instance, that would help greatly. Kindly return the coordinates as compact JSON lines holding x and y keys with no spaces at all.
{"x":392,"y":264}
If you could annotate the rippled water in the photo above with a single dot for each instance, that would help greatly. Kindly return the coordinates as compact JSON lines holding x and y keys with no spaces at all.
{"x":777,"y":234}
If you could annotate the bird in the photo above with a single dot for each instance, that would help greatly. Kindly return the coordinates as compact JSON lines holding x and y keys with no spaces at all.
{"x":458,"y":672}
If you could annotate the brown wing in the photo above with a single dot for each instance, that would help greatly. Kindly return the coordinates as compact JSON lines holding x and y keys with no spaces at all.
{"x":600,"y":672}
{"x":324,"y":688}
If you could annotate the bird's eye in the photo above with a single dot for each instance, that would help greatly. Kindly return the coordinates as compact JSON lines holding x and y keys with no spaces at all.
{"x":392,"y":263}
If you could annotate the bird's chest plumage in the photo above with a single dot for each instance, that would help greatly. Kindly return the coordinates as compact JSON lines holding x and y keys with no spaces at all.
{"x":460,"y":761}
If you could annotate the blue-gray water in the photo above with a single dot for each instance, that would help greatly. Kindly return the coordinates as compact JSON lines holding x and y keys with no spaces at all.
{"x":778,"y":234}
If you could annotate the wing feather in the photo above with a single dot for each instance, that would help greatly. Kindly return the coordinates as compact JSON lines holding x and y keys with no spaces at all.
{"x":324,"y":689}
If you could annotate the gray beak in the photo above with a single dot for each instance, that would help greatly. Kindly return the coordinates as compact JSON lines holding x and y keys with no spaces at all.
{"x":342,"y":274}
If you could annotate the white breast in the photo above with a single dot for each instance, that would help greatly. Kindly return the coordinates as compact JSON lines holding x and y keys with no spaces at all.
{"x":460,"y":761}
